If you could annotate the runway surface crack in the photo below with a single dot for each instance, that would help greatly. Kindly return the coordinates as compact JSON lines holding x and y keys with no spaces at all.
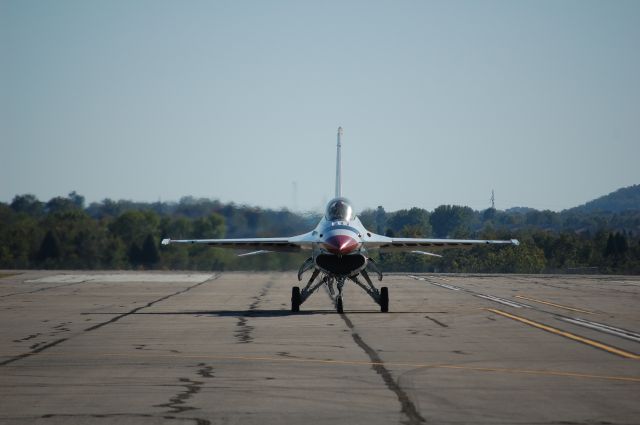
{"x":44,"y":289}
{"x":244,"y":332}
{"x":124,"y":416}
{"x":32,"y":352}
{"x":436,"y":321}
{"x":408,"y":408}
{"x":178,"y":403}
{"x":149,"y":304}
{"x":38,"y":349}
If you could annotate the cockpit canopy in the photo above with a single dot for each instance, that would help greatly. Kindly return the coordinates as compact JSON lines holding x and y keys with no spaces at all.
{"x":339,"y":209}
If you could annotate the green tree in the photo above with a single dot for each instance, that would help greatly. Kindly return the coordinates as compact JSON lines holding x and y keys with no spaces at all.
{"x":135,"y":254}
{"x":447,"y":219}
{"x":77,"y":200}
{"x":410,"y":223}
{"x":134,"y":226}
{"x":61,"y":205}
{"x":28,"y":204}
{"x":617,"y":245}
{"x":209,"y":227}
{"x":149,"y":255}
{"x":20,"y":238}
{"x":50,"y":247}
{"x":489,"y":214}
{"x":81,"y":239}
{"x":380,"y":219}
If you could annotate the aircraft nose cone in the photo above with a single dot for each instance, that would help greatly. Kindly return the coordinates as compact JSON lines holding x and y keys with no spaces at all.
{"x":341,"y":244}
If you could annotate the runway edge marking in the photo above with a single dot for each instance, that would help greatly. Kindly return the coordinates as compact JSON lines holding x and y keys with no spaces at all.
{"x":601,"y":327}
{"x":579,"y":310}
{"x":569,"y":335}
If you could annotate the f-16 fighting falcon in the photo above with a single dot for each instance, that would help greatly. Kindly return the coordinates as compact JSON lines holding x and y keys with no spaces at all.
{"x":339,"y":250}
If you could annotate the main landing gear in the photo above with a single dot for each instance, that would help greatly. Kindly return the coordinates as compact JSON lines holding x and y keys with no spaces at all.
{"x":296,"y":299}
{"x":298,"y":296}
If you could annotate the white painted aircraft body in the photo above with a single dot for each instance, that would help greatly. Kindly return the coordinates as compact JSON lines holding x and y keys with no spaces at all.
{"x":339,"y":249}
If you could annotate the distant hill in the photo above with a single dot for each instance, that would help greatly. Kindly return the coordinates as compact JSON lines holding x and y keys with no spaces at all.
{"x":625,"y":199}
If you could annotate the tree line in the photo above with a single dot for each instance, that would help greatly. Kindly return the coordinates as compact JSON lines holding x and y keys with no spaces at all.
{"x":64,"y":233}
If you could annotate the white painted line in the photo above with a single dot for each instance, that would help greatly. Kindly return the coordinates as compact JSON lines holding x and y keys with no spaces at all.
{"x":603,"y":328}
{"x":502,"y":301}
{"x":125,"y":277}
{"x":442,"y":285}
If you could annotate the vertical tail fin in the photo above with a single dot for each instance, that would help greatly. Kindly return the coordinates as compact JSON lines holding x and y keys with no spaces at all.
{"x":339,"y":167}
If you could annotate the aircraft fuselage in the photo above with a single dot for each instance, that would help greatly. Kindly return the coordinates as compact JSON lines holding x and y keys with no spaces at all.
{"x":340,"y":250}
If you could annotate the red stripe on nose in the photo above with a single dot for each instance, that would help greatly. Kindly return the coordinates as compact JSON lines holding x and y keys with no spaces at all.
{"x":341,"y":244}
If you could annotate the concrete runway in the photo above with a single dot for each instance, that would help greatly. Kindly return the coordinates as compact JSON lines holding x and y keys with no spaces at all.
{"x":178,"y":348}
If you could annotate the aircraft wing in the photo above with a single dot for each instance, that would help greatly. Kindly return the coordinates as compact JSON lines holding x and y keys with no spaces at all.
{"x":287,"y":244}
{"x":386,"y":244}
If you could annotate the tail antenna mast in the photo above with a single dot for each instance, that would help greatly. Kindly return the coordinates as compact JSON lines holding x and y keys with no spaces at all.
{"x":339,"y":166}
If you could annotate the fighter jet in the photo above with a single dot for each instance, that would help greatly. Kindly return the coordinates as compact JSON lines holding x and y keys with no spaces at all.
{"x":339,"y":250}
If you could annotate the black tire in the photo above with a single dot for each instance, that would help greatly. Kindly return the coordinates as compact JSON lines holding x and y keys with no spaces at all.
{"x":384,"y":299}
{"x":296,"y":299}
{"x":339,"y":305}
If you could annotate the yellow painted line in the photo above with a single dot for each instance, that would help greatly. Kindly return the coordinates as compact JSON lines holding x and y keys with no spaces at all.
{"x":543,"y":373}
{"x":635,"y":379}
{"x":608,"y":348}
{"x":566,"y":307}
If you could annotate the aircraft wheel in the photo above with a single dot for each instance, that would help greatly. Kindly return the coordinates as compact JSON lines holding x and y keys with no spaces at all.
{"x":339,"y":305}
{"x":384,"y":299}
{"x":296,"y":299}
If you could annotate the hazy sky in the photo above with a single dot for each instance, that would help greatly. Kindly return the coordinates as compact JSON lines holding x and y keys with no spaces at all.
{"x":441,"y":102}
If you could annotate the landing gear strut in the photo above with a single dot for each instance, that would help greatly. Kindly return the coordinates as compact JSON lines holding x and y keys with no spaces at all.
{"x":381,"y":297}
{"x":338,"y":298}
{"x":298,"y":296}
{"x":339,"y":304}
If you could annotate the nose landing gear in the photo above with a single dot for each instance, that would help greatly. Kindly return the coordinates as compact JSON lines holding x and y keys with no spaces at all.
{"x":338,"y":298}
{"x":339,"y":307}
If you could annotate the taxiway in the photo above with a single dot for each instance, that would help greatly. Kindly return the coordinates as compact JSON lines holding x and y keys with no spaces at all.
{"x":214,"y":348}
